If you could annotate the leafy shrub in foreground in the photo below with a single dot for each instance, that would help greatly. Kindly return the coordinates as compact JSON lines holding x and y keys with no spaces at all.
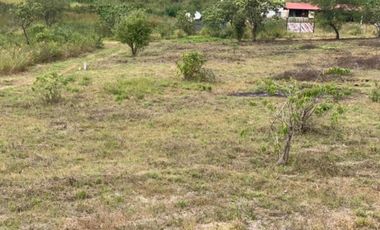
{"x":191,"y":67}
{"x":49,"y":87}
{"x":293,"y":117}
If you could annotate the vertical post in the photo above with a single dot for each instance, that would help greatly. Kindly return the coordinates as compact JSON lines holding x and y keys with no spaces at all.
{"x":300,"y":22}
{"x":287,"y":24}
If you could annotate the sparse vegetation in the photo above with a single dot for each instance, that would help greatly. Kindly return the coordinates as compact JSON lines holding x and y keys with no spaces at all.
{"x":49,"y":87}
{"x":191,"y":67}
{"x":338,"y":71}
{"x":95,"y":139}
{"x":294,"y":116}
{"x":375,"y":93}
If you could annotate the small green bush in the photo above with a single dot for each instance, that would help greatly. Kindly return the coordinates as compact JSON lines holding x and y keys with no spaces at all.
{"x":302,"y":105}
{"x":179,"y":33}
{"x":49,"y":87}
{"x":338,"y":71}
{"x":375,"y":93}
{"x":191,"y":67}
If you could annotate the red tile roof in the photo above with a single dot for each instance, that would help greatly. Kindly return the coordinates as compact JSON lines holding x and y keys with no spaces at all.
{"x":300,"y":6}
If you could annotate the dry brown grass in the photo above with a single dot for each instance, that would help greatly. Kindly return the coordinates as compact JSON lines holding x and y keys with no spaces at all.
{"x":183,"y":157}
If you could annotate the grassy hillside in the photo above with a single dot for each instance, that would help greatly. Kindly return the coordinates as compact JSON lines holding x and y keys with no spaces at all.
{"x":182,"y":155}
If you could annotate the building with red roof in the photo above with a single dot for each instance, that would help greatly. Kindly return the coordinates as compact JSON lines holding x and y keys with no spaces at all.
{"x":300,"y":16}
{"x":300,"y":9}
{"x":300,"y":6}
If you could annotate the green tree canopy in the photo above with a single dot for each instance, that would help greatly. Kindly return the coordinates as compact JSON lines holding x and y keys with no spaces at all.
{"x":237,"y":12}
{"x":25,"y":14}
{"x":334,"y":13}
{"x":134,"y":30}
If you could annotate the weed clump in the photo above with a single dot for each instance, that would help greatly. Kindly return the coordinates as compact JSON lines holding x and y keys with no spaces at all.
{"x":191,"y":67}
{"x":338,"y":71}
{"x":375,"y":93}
{"x":49,"y":87}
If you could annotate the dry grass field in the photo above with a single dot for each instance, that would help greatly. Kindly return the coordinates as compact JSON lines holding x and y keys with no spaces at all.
{"x":171,"y":154}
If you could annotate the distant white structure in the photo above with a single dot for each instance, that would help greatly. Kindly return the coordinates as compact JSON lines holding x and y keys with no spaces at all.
{"x":197,"y":16}
{"x":280,"y":12}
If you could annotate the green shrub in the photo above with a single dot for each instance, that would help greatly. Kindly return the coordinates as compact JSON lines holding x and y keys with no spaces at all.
{"x":173,"y":9}
{"x":375,"y":93}
{"x":49,"y":87}
{"x":191,"y":67}
{"x":294,"y":116}
{"x":179,"y":33}
{"x":338,"y":71}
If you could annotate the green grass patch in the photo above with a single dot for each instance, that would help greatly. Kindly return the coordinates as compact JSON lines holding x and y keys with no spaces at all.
{"x":338,"y":71}
{"x":137,"y":88}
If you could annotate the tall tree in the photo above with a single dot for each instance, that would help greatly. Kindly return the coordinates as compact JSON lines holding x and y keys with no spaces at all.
{"x":256,"y":11}
{"x":334,"y":13}
{"x":134,"y":30}
{"x":25,"y":14}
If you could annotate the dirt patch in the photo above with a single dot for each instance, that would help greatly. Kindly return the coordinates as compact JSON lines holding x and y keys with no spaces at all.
{"x":359,"y":62}
{"x":256,"y":94}
{"x":370,"y":43}
{"x":309,"y":46}
{"x":301,"y":75}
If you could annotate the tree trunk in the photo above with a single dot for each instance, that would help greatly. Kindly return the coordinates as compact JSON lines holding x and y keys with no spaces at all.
{"x":25,"y":35}
{"x":254,"y":32}
{"x":337,"y":37}
{"x":47,"y":21}
{"x":134,"y":50}
{"x":285,"y":155}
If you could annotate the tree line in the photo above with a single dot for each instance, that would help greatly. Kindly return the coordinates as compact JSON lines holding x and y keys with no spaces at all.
{"x":130,"y":19}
